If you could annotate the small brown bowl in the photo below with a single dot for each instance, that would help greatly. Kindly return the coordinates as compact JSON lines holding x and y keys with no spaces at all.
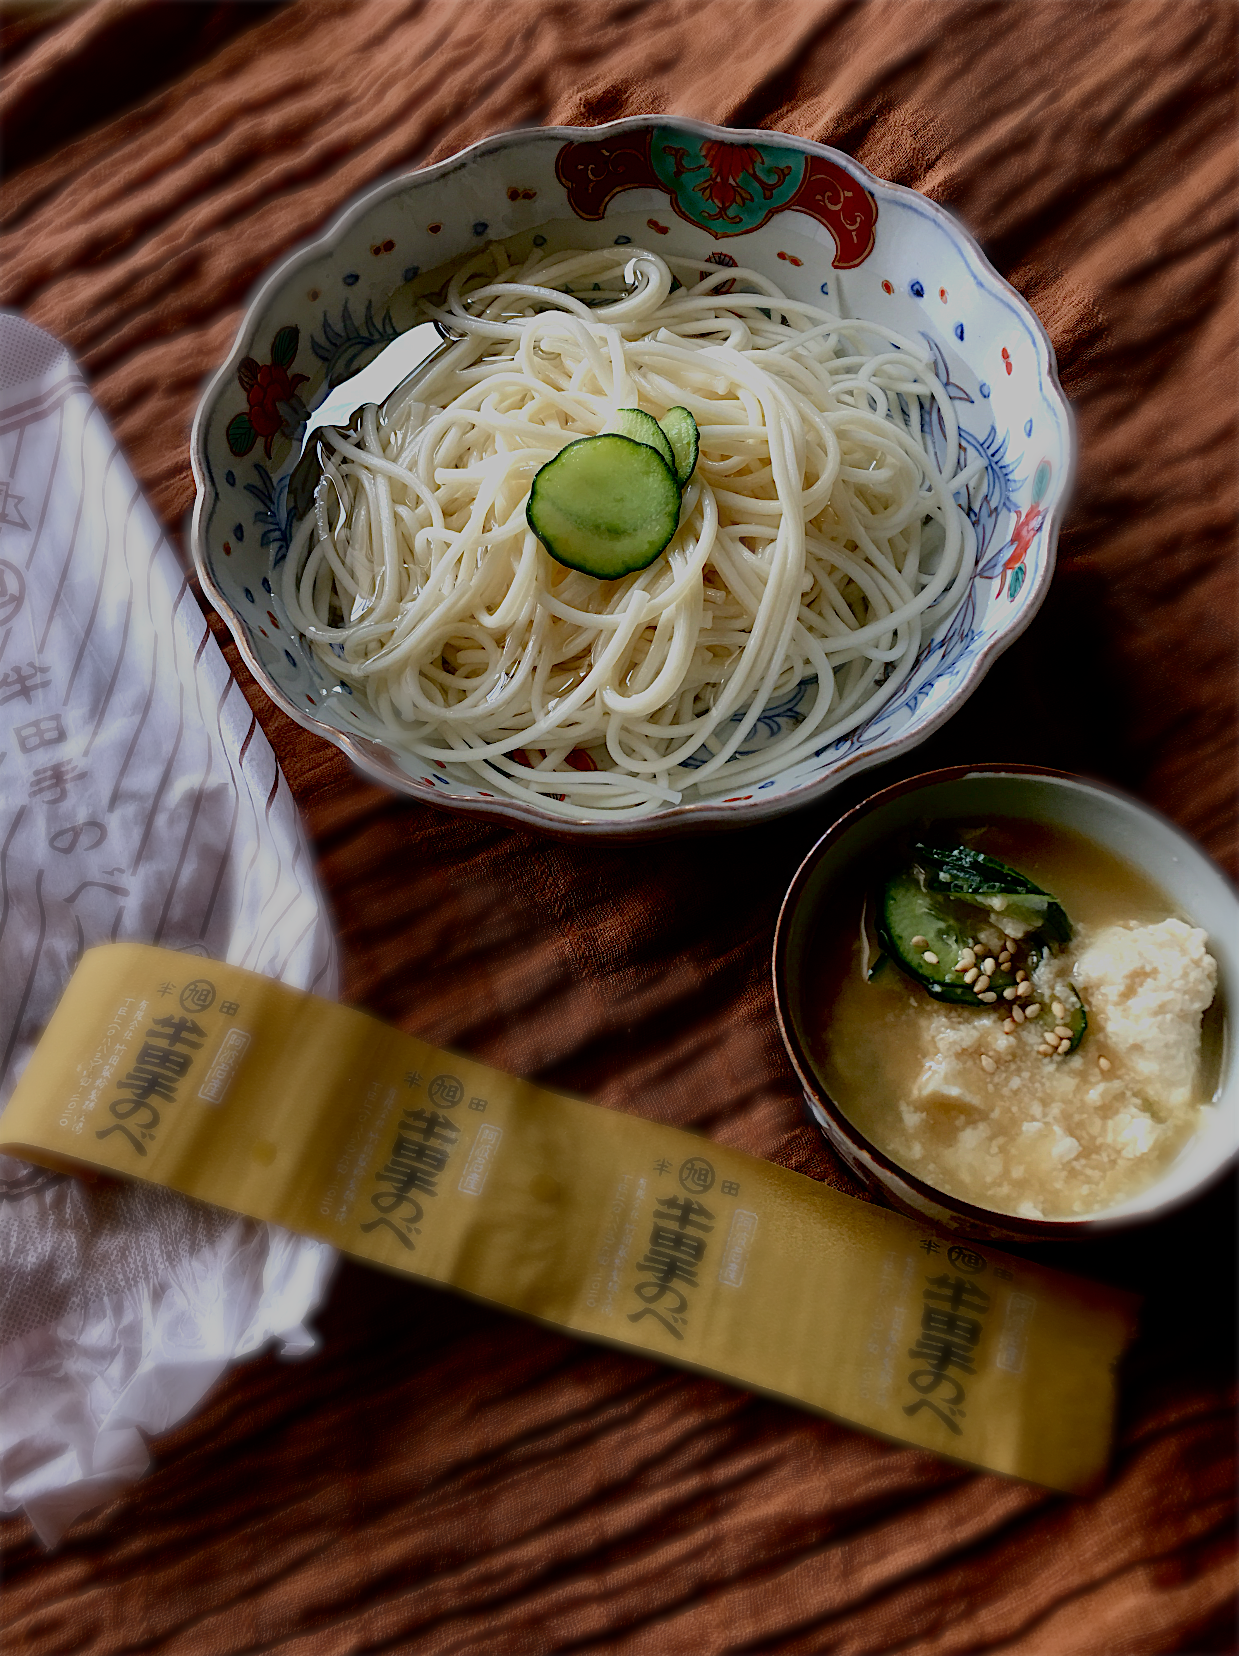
{"x":1145,"y":840}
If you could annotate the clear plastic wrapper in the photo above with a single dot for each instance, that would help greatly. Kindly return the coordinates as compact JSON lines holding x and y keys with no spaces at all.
{"x":138,"y":800}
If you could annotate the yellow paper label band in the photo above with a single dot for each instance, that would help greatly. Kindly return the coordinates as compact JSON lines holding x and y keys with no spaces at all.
{"x":239,"y":1091}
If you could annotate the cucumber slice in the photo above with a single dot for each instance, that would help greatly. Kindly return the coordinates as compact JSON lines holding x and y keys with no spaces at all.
{"x":681,"y":433}
{"x":1076,"y":1020}
{"x":644,"y":428}
{"x":907,"y":911}
{"x":929,"y":909}
{"x":605,"y":505}
{"x":973,"y":876}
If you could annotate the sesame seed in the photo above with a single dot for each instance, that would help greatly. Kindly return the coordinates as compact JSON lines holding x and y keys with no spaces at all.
{"x":920,"y":942}
{"x":968,"y":958}
{"x":1008,"y":1027}
{"x":1065,"y":1045}
{"x":1009,"y":993}
{"x":1032,"y":1010}
{"x":1063,"y":1033}
{"x":930,"y":956}
{"x":988,"y":1064}
{"x":988,"y":964}
{"x":1103,"y":1063}
{"x":1021,"y":977}
{"x":971,"y":975}
{"x":988,"y":996}
{"x":1045,"y":1051}
{"x":1016,"y":1015}
{"x":1004,"y":959}
{"x":981,"y":985}
{"x":1023,"y":989}
{"x":1058,"y":1009}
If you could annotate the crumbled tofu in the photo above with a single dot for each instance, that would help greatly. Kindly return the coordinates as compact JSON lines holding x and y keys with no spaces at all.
{"x":1005,"y":1126}
{"x":1147,"y":986}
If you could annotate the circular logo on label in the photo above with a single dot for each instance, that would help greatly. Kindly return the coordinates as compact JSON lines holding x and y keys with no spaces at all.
{"x":697,"y":1175}
{"x":12,"y":591}
{"x":965,"y":1260}
{"x":198,"y":995}
{"x":445,"y":1091}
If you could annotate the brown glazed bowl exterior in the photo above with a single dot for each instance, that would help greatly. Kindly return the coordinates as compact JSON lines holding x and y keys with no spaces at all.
{"x":1142,"y":838}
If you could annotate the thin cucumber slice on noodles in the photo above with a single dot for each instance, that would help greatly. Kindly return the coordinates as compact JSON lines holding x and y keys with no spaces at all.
{"x":644,"y":428}
{"x":681,"y":432}
{"x":604,"y":505}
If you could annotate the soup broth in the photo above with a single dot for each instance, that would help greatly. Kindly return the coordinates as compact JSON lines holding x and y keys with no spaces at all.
{"x":970,"y":1098}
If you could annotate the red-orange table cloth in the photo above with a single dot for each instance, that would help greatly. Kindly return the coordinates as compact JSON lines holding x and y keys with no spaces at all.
{"x":444,"y":1478}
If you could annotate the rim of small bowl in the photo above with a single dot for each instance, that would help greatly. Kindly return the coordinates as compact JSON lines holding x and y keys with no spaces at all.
{"x":887,"y":1169}
{"x":675,"y":818}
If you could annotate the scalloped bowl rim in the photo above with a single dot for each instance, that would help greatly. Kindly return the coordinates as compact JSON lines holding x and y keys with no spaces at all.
{"x":697,"y":812}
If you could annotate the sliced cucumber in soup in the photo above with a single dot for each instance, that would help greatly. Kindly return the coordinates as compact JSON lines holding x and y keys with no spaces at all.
{"x":605,"y":505}
{"x":644,"y":428}
{"x":1075,"y":1016}
{"x":925,"y":939}
{"x":972,"y":876}
{"x":681,"y":432}
{"x":947,"y":918}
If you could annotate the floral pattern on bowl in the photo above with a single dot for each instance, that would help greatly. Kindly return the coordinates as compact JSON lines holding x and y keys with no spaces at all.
{"x":807,"y":216}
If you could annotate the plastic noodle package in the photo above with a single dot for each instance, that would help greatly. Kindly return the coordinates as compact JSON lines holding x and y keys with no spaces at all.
{"x":138,"y":800}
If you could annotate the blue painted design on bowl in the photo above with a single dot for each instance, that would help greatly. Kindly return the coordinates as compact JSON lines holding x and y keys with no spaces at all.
{"x":911,"y":230}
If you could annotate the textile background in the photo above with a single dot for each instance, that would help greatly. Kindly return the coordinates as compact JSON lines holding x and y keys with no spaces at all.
{"x":443,"y":1478}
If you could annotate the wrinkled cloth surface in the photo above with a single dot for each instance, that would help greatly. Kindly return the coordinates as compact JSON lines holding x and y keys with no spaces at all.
{"x":441,"y":1477}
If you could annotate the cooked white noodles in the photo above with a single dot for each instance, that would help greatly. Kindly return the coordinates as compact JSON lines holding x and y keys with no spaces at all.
{"x":814,"y":536}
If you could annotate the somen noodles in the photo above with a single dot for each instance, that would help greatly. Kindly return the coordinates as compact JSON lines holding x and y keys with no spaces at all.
{"x":814,"y":536}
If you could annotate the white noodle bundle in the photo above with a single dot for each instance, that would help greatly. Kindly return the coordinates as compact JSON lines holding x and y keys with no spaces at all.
{"x":814,"y":535}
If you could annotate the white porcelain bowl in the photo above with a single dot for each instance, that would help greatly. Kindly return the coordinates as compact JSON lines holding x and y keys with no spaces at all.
{"x":807,"y":216}
{"x":1193,"y":886}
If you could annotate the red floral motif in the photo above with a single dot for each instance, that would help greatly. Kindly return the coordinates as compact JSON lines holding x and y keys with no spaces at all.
{"x":1022,"y":536}
{"x":594,"y":171}
{"x":271,"y":392}
{"x":728,"y":164}
{"x":267,"y":386}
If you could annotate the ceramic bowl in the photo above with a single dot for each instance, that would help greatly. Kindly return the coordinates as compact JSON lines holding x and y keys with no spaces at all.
{"x":807,"y":216}
{"x":1193,"y":886}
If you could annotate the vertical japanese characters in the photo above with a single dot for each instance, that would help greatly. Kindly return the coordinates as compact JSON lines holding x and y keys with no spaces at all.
{"x":673,"y":1260}
{"x":423,"y":1146}
{"x":161,"y":1064}
{"x":953,"y":1309}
